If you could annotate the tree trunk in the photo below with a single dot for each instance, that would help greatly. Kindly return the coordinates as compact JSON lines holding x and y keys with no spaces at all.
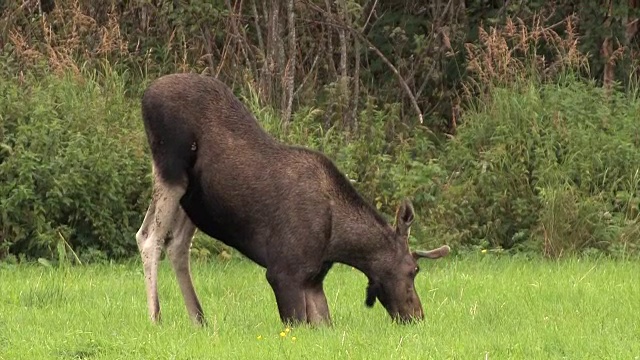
{"x":291,"y":64}
{"x":631,"y":22}
{"x":344,"y":76}
{"x":256,"y":21}
{"x":328,"y":35}
{"x":607,"y":51}
{"x":273,"y":62}
{"x":356,"y":84}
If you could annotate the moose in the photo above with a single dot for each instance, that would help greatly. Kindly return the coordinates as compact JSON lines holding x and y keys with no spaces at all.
{"x":287,"y":208}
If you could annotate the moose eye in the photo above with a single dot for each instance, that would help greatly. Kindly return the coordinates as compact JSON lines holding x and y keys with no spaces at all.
{"x":415,"y":271}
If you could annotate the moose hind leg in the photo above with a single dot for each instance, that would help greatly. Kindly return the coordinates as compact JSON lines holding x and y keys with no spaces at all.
{"x":155,"y":229}
{"x":141,"y":239}
{"x":143,"y":232}
{"x":178,"y":253}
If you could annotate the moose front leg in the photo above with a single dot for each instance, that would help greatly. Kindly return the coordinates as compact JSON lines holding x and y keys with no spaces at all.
{"x":316,"y":301}
{"x":290,"y":297}
{"x":317,"y":307}
{"x":298,"y":300}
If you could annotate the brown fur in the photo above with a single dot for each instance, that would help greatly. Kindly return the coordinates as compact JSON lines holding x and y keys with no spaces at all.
{"x":287,"y":208}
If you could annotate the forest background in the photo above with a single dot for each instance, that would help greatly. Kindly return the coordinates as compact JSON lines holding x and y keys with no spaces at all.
{"x":511,"y":125}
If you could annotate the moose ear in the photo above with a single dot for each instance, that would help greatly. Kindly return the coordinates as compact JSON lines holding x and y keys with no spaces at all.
{"x":404,"y":218}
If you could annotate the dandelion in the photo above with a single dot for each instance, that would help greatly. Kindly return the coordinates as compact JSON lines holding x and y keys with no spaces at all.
{"x":293,"y":338}
{"x":283,"y":334}
{"x":287,"y":330}
{"x":259,"y":337}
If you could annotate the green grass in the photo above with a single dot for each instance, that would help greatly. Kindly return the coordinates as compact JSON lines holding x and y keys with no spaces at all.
{"x":476,"y":308}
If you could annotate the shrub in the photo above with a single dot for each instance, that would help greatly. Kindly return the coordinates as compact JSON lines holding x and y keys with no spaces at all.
{"x":73,"y":167}
{"x":556,"y":164}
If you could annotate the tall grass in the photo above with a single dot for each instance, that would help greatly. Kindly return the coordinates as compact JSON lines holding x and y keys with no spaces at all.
{"x":544,"y":160}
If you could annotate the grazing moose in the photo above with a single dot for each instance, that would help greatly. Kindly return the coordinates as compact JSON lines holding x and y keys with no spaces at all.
{"x":287,"y":208}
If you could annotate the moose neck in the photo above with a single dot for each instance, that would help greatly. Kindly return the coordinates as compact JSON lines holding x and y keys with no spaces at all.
{"x":360,"y":236}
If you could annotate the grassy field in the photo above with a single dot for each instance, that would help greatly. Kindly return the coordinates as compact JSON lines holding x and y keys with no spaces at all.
{"x":477,"y":308}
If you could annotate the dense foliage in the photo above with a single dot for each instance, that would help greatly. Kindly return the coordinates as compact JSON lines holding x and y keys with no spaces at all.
{"x":553,"y":167}
{"x":529,"y":140}
{"x":72,"y":165}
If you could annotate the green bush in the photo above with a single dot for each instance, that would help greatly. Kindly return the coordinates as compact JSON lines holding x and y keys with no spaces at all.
{"x":73,"y":167}
{"x":552,"y":168}
{"x":555,"y":167}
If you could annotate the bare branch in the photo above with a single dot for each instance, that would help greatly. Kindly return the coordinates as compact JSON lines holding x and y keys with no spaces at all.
{"x":341,"y":25}
{"x":373,"y":8}
{"x":307,"y":76}
{"x":397,"y":74}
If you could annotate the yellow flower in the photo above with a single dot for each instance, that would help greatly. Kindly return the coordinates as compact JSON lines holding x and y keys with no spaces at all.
{"x":287,"y":330}
{"x":259,"y":337}
{"x":484,"y":251}
{"x":293,"y":338}
{"x":283,"y":334}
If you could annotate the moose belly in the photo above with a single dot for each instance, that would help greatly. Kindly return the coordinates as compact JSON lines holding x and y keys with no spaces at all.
{"x":220,"y":220}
